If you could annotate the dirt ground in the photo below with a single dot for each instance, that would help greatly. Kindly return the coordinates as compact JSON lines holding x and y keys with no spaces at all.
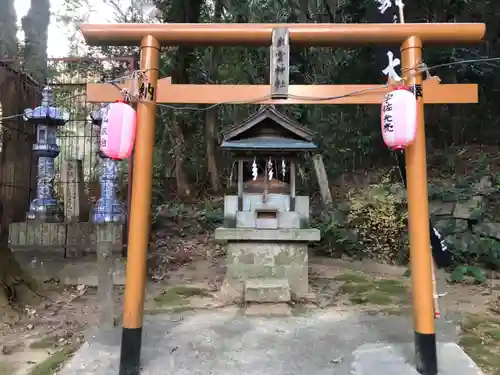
{"x":50,"y":332}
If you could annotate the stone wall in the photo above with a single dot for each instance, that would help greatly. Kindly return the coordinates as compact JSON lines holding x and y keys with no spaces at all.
{"x":371,"y":221}
{"x":468,"y":214}
{"x":64,"y":238}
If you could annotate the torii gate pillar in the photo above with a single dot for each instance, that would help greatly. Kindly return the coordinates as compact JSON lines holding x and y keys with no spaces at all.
{"x":140,"y":212}
{"x":411,"y":36}
{"x":418,"y":223}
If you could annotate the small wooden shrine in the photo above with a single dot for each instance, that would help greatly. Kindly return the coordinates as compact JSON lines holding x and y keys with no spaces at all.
{"x":266,"y":223}
{"x":268,"y":145}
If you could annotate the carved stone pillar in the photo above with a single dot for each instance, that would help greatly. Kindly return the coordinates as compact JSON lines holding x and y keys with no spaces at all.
{"x":47,"y":117}
{"x":108,"y":208}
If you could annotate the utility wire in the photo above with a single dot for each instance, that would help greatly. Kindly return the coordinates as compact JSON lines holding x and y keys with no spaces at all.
{"x":417,"y":69}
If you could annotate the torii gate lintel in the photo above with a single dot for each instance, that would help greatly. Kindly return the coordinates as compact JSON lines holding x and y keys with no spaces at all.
{"x":172,"y":93}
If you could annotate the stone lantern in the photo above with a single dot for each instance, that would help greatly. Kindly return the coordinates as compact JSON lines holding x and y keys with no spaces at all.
{"x":108,"y":209}
{"x":47,"y":118}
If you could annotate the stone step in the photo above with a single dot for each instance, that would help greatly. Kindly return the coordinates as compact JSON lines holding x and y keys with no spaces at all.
{"x":267,"y":290}
{"x":268,"y":309}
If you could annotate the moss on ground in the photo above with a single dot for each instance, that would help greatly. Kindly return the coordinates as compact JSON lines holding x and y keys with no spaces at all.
{"x":52,"y":364}
{"x":6,"y":368}
{"x":355,"y":288}
{"x":44,"y":343}
{"x":392,"y":287}
{"x":481,"y":341}
{"x":352,"y":278}
{"x":361,"y":289}
{"x":177,"y":296}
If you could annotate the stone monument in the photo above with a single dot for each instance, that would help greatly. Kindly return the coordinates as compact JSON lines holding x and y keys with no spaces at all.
{"x":76,"y":208}
{"x":266,"y":224}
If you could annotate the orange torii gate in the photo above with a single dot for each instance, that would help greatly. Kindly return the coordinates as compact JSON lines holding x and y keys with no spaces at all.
{"x":151,"y":37}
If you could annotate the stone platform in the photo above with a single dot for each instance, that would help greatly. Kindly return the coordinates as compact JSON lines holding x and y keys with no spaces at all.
{"x":225,"y":342}
{"x":64,"y":238}
{"x":265,"y":265}
{"x":46,"y":266}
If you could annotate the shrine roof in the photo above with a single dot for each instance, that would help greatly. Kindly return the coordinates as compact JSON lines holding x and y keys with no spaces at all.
{"x":268,"y":129}
{"x":268,"y":143}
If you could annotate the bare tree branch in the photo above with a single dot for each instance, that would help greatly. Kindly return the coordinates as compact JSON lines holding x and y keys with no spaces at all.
{"x":119,"y":13}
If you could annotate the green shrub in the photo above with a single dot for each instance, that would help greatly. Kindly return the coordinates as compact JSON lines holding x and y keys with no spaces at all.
{"x":378,"y":214}
{"x":370,"y":224}
{"x":336,"y":240}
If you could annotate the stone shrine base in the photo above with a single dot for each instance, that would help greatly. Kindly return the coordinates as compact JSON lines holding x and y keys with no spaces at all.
{"x":266,"y":265}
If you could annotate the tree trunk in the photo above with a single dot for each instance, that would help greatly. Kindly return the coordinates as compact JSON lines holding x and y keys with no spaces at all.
{"x":8,"y":30}
{"x":8,"y":48}
{"x":211,"y":118}
{"x":35,"y":26}
{"x":17,"y":287}
{"x":211,"y":115}
{"x":183,"y":187}
{"x":17,"y":92}
{"x":189,"y":12}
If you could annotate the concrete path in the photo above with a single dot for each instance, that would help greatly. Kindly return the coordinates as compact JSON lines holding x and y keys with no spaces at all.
{"x":224,"y":342}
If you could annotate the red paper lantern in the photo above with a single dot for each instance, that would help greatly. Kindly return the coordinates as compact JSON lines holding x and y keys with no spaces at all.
{"x":119,"y":122}
{"x":399,"y":118}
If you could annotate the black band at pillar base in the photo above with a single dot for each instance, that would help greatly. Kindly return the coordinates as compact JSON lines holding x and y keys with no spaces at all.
{"x":130,"y":356}
{"x":425,"y":353}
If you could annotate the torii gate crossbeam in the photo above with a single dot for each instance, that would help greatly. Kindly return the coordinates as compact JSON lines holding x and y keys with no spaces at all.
{"x":307,"y":34}
{"x":152,"y":36}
